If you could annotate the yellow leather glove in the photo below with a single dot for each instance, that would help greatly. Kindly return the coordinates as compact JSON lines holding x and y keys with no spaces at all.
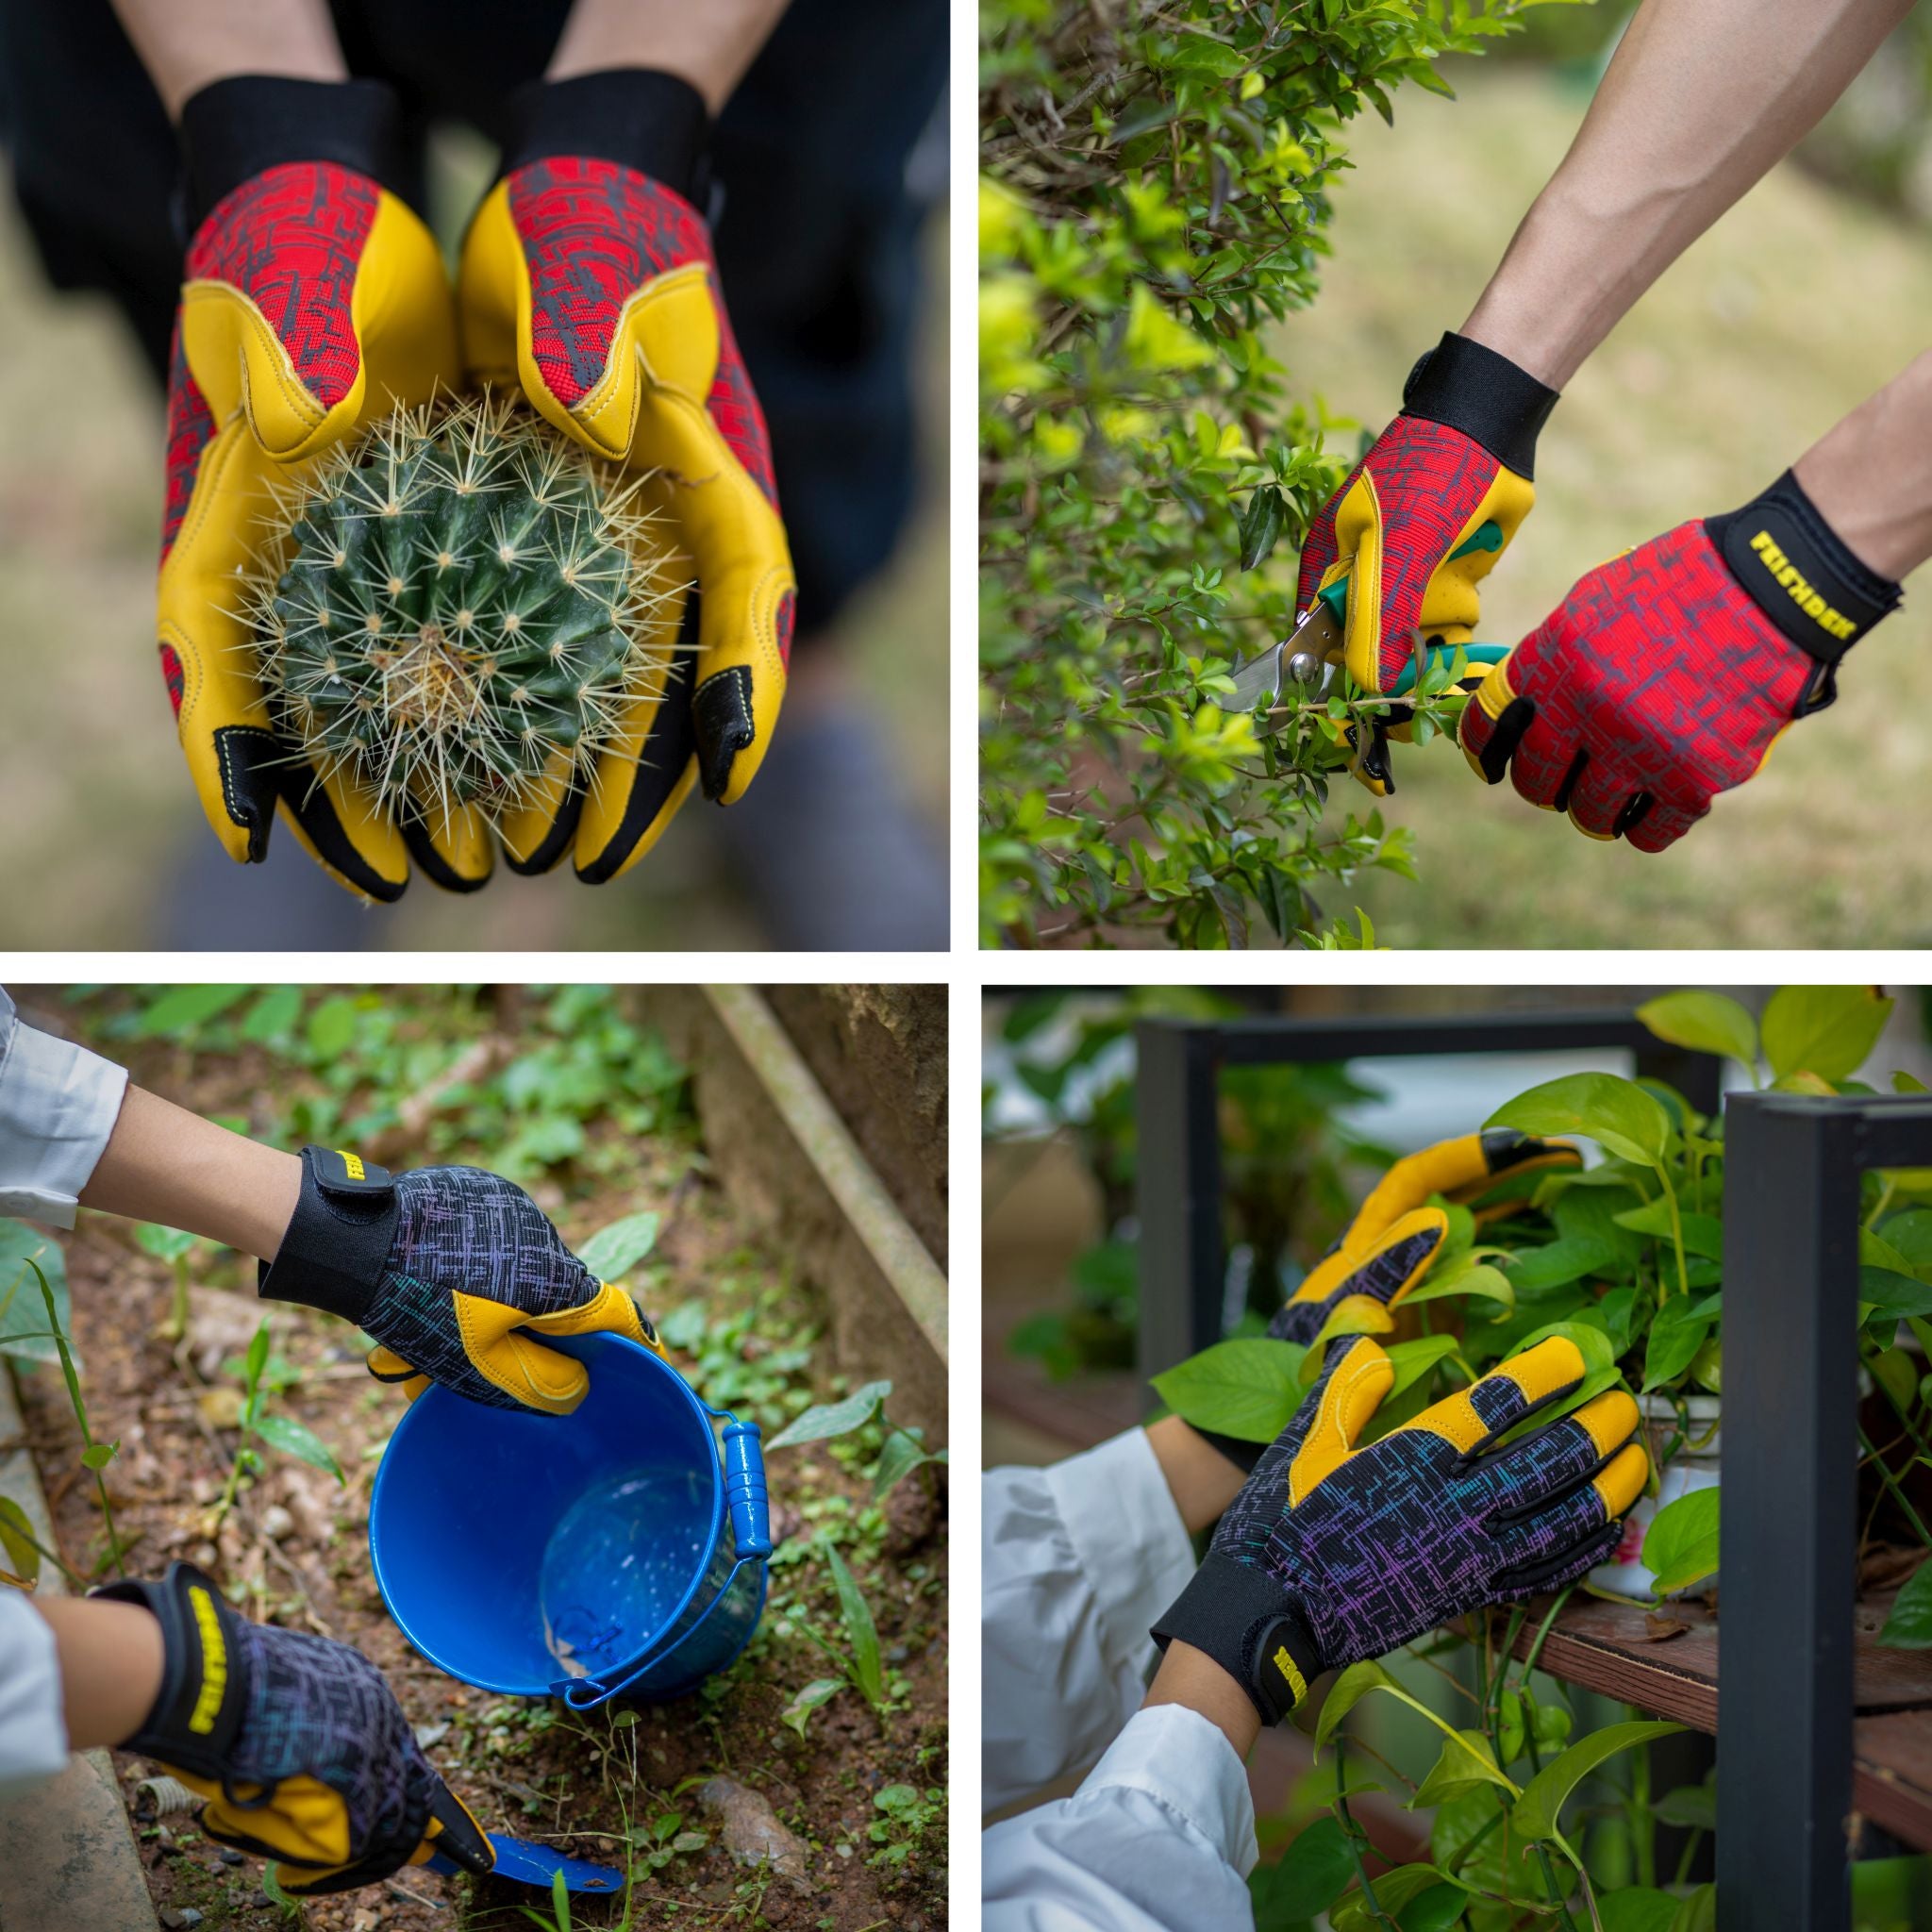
{"x":312,"y":301}
{"x":588,"y":282}
{"x":1421,"y":520}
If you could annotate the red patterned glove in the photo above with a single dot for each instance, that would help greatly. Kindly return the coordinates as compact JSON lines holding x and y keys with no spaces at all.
{"x":312,"y":300}
{"x":588,"y":280}
{"x":1424,"y":517}
{"x":1667,"y":673}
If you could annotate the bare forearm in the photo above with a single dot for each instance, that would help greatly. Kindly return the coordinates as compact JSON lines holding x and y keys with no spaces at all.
{"x":1871,"y":475}
{"x":1191,"y":1678}
{"x":185,"y":44}
{"x":710,"y":45}
{"x":1201,"y":1480}
{"x":1701,"y":99}
{"x":163,"y":1163}
{"x":110,"y":1667}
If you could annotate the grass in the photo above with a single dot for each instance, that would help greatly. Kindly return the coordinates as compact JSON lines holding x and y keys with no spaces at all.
{"x":1771,"y":328}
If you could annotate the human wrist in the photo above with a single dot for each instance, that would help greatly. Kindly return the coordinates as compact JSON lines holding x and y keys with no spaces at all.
{"x":1191,"y":1678}
{"x":1201,"y":1479}
{"x":710,"y":47}
{"x":338,"y":1236}
{"x":112,"y":1657}
{"x":1470,"y":387}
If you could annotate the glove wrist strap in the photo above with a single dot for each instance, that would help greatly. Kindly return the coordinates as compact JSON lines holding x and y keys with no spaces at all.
{"x":655,"y":123}
{"x":339,"y":1240}
{"x":233,"y":129}
{"x":1466,"y":385}
{"x":1797,"y":569}
{"x":197,"y":1713}
{"x":1237,"y":1615}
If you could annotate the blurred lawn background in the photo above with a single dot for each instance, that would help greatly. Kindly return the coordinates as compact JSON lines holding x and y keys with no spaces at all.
{"x":1806,"y":299}
{"x":98,"y":812}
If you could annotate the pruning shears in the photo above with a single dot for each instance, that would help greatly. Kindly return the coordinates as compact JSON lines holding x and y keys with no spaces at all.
{"x":1303,"y":666}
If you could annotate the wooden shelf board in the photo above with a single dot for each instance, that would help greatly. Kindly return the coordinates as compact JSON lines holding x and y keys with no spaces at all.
{"x":1610,"y":1648}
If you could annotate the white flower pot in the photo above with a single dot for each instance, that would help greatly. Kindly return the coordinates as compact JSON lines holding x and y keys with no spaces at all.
{"x":1693,"y":1467}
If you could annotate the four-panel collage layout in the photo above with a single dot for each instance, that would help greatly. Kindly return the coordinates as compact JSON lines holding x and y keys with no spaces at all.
{"x":495,"y":496}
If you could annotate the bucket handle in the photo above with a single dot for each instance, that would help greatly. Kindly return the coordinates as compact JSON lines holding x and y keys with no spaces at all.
{"x":750,"y":1536}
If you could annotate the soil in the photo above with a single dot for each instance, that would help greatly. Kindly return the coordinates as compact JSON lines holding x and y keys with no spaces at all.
{"x":294,"y":1551}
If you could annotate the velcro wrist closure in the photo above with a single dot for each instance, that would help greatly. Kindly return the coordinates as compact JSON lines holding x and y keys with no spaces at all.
{"x":1466,"y":385}
{"x":233,"y":129}
{"x":1238,"y":1615}
{"x":656,"y":123}
{"x":204,"y":1694}
{"x":338,"y":1240}
{"x":1796,"y":569}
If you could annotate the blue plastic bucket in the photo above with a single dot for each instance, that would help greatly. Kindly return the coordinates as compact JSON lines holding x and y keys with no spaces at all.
{"x":613,"y":1552}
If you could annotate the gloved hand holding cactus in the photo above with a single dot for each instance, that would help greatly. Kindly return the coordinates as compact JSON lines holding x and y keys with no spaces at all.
{"x":420,"y":623}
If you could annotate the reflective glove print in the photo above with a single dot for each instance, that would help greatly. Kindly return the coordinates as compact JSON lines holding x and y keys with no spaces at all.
{"x":1666,"y":675}
{"x":455,"y":1272}
{"x":1424,"y":517}
{"x":312,"y":302}
{"x":297,"y":1744}
{"x":1332,"y":1553}
{"x":588,"y":281}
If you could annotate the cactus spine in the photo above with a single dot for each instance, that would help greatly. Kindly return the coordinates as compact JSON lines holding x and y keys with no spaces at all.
{"x":458,"y":604}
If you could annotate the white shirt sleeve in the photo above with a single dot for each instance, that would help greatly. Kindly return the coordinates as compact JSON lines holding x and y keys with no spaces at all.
{"x":1160,"y":1838}
{"x":33,"y":1734}
{"x":1077,"y":1561}
{"x":59,"y":1103}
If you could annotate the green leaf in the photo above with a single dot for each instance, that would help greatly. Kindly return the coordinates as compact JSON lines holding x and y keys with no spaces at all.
{"x":182,"y":1009}
{"x":1897,"y":1296}
{"x":1676,"y":1333}
{"x":1348,"y":1690}
{"x":1434,"y":1910}
{"x":1637,"y":1908}
{"x":332,"y":1028}
{"x":274,"y":1016}
{"x":1691,"y":1808}
{"x":1910,"y":1627}
{"x":1310,"y":1876}
{"x":1487,"y":1283}
{"x":257,"y":1355}
{"x":819,"y":1691}
{"x":97,"y":1456}
{"x":1703,"y":1234}
{"x":1680,"y":1546}
{"x":1538,"y":1808}
{"x":17,"y":1542}
{"x":1910,"y":1234}
{"x":1395,"y":1891}
{"x":1568,"y":1258}
{"x":1412,"y":1360}
{"x":1826,"y":1030}
{"x":1466,"y":1760}
{"x":1617,"y":1115}
{"x":825,"y":1418}
{"x":1261,"y":526}
{"x":861,"y":1634}
{"x":1706,"y":1023}
{"x":25,"y":1323}
{"x":901,"y":1453}
{"x":1246,"y":1388}
{"x":296,"y":1439}
{"x":163,"y":1243}
{"x":612,"y":1252}
{"x":1697,"y":1913}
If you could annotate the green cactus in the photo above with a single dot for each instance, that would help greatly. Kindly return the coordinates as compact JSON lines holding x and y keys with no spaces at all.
{"x":457,"y":605}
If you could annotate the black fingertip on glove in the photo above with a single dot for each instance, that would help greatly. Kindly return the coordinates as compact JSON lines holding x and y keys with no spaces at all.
{"x":652,"y":123}
{"x":338,"y":1239}
{"x":1803,"y":577}
{"x":1466,"y":385}
{"x":233,"y":129}
{"x":1235,"y":1615}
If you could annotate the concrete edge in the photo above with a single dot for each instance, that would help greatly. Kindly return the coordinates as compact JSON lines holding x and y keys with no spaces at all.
{"x":68,"y":1857}
{"x":901,"y":1257}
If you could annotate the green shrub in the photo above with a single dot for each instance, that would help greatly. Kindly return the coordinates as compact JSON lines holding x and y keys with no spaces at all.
{"x":1155,"y":188}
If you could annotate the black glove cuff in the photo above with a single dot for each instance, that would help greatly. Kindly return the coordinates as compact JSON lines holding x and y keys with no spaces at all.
{"x":1465,"y":386}
{"x":204,"y":1692}
{"x":1796,"y":569}
{"x":232,"y":130}
{"x":1237,"y":1615}
{"x":338,"y":1244}
{"x":656,"y":123}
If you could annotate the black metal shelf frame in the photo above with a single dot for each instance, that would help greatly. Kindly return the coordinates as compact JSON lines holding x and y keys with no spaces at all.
{"x":1789,"y":1528}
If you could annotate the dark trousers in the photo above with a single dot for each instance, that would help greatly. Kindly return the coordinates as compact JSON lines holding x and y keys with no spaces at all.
{"x":818,"y":246}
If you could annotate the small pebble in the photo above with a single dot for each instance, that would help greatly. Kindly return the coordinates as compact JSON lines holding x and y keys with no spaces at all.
{"x":897,"y":1654}
{"x":429,"y":1736}
{"x":276,"y":1521}
{"x":230,"y":1856}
